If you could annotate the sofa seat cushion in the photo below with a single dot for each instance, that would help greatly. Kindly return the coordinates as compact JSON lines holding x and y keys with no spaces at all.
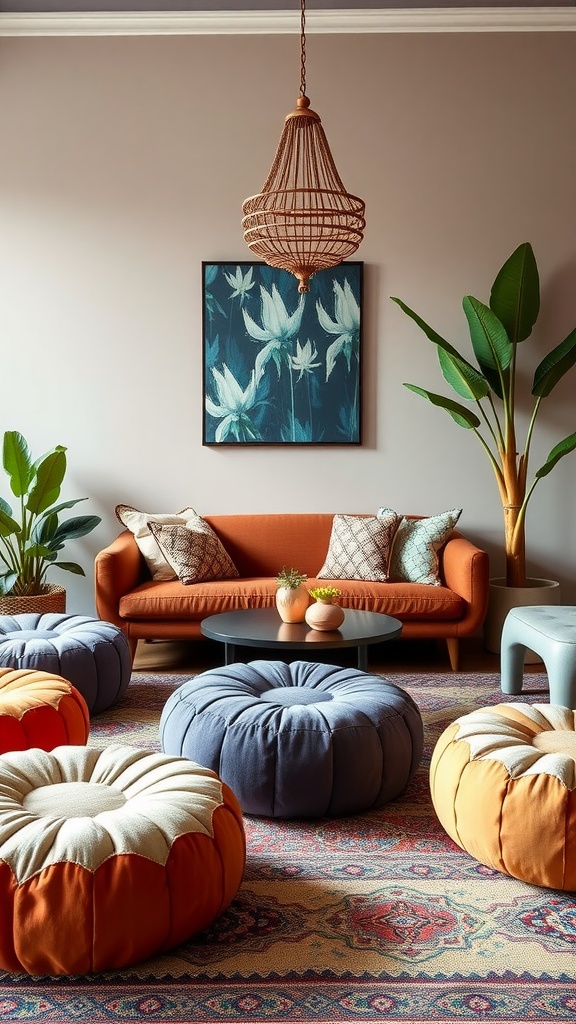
{"x":172,"y":600}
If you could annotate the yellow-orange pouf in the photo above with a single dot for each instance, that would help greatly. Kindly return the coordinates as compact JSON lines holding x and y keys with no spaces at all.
{"x":110,"y":856}
{"x":503,"y":784}
{"x":39,"y":709}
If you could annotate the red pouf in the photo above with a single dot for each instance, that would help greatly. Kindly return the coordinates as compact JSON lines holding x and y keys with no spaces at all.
{"x":39,"y":709}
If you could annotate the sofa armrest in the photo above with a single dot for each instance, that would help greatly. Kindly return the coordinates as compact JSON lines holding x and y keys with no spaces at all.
{"x":117,"y":570}
{"x":466,"y":571}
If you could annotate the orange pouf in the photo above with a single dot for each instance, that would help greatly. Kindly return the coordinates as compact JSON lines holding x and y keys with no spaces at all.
{"x":38,"y":709}
{"x":110,"y":856}
{"x":503,"y":784}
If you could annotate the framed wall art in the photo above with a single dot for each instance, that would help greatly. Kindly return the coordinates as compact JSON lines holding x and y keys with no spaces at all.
{"x":281,"y":367}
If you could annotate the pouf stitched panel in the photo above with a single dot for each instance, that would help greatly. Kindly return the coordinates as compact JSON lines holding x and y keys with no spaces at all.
{"x":109,"y":856}
{"x":297,"y":740}
{"x":38,"y":709}
{"x":94,"y":655}
{"x":503,"y":783}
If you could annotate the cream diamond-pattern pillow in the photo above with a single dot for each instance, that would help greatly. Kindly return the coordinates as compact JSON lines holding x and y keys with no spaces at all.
{"x":414,"y":557}
{"x":194,"y":551}
{"x":359,"y":548}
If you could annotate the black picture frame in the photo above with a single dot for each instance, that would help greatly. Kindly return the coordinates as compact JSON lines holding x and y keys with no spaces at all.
{"x":279,"y":367}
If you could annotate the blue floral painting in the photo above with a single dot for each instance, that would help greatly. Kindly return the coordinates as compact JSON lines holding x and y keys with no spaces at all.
{"x":281,"y":367}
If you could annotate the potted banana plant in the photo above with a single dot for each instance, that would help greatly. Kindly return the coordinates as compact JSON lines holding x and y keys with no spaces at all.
{"x":31,"y":533}
{"x":497,"y":331}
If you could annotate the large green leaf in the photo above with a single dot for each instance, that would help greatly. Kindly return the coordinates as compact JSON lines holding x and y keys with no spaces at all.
{"x":462,"y":376}
{"x":428,"y":331}
{"x":459,"y":413}
{"x":72,"y":567}
{"x":457,"y":371}
{"x":49,"y":476}
{"x":77,"y":527}
{"x":17,"y":462}
{"x":558,"y":452}
{"x":56,"y":509}
{"x":7,"y":581}
{"x":515,"y":295}
{"x":8,"y":525}
{"x":554,"y":366}
{"x":491,"y":344}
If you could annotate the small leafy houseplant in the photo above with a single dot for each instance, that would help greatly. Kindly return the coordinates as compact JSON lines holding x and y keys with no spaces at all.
{"x":496,"y":332}
{"x":290,"y":578}
{"x":31,"y":534}
{"x":291,"y":596}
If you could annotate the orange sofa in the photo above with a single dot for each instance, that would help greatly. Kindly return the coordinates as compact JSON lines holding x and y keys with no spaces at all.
{"x":259,"y":545}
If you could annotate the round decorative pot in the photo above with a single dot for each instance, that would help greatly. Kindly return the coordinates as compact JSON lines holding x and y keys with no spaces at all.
{"x":503,"y":598}
{"x":292,"y":603}
{"x":52,"y":599}
{"x":324,"y":615}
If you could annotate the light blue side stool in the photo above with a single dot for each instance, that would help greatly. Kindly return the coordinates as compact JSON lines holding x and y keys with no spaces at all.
{"x":550,"y":631}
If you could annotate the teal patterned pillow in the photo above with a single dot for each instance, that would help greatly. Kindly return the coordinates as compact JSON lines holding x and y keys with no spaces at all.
{"x":414,"y":556}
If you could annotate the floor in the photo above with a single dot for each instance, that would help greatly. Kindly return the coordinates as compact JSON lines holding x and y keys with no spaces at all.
{"x":392,"y":658}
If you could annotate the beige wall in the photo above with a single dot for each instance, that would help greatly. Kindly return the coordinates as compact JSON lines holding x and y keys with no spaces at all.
{"x":124,"y":165}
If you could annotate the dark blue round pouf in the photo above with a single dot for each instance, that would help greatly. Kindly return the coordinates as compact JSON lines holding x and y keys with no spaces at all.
{"x":297,"y":740}
{"x":92,"y":655}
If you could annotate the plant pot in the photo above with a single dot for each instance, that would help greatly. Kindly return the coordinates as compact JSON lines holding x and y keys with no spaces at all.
{"x":52,"y":599}
{"x":324,"y":615}
{"x":503,"y":598}
{"x":292,"y":603}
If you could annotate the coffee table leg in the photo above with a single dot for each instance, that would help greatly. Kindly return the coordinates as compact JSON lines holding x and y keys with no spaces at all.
{"x":229,"y":654}
{"x":363,"y":658}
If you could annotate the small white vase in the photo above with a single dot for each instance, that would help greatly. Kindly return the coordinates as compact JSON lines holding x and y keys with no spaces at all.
{"x":503,"y":598}
{"x":292,"y":603}
{"x":324,"y":615}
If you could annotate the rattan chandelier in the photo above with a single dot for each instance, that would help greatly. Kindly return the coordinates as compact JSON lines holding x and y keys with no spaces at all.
{"x":303,"y":220}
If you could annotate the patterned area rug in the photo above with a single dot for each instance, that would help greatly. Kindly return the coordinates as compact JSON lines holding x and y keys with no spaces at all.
{"x":372,"y":918}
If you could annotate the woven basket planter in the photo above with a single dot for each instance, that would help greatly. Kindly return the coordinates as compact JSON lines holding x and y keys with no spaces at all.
{"x":52,"y":599}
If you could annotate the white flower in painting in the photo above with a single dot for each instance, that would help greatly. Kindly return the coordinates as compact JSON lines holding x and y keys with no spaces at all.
{"x":304,"y":358}
{"x":346,"y":325}
{"x":277,"y":329}
{"x":240,"y":283}
{"x":234,"y":404}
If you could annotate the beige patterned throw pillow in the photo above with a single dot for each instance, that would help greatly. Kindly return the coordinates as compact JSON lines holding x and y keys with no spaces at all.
{"x":194,"y":551}
{"x":359,"y":548}
{"x":137,"y":522}
{"x":414,"y":557}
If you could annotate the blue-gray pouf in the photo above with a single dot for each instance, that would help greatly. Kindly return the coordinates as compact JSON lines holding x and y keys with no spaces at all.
{"x":92,"y":655}
{"x":297,"y":740}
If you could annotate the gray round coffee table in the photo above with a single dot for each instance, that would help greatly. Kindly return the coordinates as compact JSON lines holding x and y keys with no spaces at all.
{"x":263,"y":627}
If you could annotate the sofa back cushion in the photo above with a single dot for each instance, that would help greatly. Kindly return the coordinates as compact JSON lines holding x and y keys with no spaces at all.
{"x":260,"y":544}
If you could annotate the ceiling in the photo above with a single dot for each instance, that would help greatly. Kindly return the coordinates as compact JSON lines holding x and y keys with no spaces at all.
{"x":91,"y":6}
{"x":185,"y":17}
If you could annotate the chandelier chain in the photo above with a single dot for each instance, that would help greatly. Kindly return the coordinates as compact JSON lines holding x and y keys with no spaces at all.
{"x":302,"y":47}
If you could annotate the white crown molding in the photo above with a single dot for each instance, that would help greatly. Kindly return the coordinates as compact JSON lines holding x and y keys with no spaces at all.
{"x":156,"y":23}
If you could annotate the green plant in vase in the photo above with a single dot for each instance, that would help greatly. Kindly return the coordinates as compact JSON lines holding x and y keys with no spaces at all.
{"x":291,"y":596}
{"x":496,"y":332}
{"x":326,"y":614}
{"x":31,"y":533}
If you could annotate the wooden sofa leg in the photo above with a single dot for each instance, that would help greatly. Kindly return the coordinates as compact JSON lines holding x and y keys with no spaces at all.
{"x":132,"y":644}
{"x":453,"y":652}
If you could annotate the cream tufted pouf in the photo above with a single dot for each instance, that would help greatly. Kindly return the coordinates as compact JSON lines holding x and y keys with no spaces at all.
{"x":110,"y":856}
{"x":503,"y":784}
